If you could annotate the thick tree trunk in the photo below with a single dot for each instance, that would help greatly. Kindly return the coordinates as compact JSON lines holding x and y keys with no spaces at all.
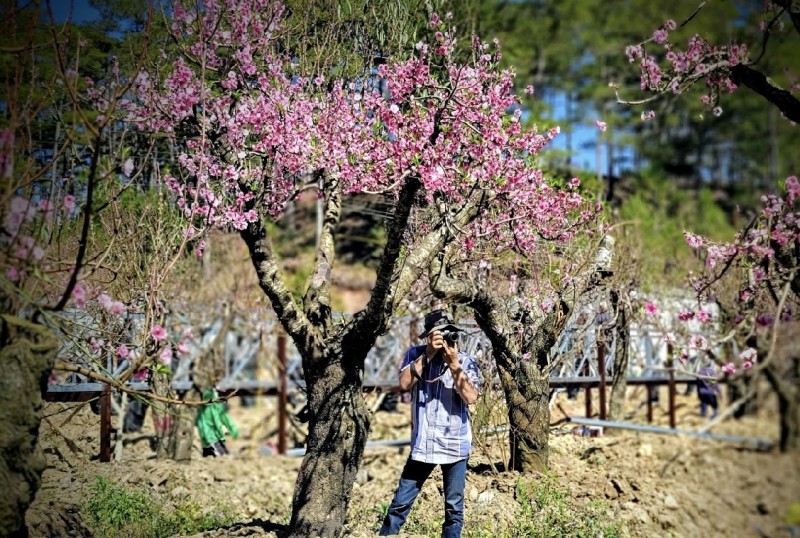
{"x":528,"y":401}
{"x":27,"y":355}
{"x":338,"y":430}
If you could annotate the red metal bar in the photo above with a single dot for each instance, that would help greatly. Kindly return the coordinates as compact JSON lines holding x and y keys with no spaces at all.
{"x":283,"y":396}
{"x":105,"y":425}
{"x":601,"y":365}
{"x":588,"y":396}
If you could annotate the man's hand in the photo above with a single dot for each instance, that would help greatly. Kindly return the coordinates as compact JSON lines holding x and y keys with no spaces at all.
{"x":435,"y":343}
{"x":450,"y":355}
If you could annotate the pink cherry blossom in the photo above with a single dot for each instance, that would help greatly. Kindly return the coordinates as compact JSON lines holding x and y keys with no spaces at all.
{"x":104,"y":300}
{"x":96,"y":344}
{"x":650,"y":309}
{"x":601,"y":125}
{"x":698,"y":341}
{"x":703,"y":316}
{"x":127,"y":167}
{"x":729,"y":368}
{"x":123,"y":352}
{"x":182,"y":348}
{"x":69,"y":203}
{"x":79,"y":294}
{"x":370,"y":140}
{"x":12,"y":273}
{"x":749,"y":355}
{"x":117,"y":308}
{"x":694,"y":241}
{"x":158,"y":333}
{"x":660,"y":36}
{"x":165,"y":357}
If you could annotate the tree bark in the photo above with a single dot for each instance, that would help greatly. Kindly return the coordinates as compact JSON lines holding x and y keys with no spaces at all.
{"x":528,"y":401}
{"x":787,"y":103}
{"x":338,"y":430}
{"x":785,"y":385}
{"x":789,"y":408}
{"x":162,"y":416}
{"x":737,"y":388}
{"x":27,"y":354}
{"x":181,"y":433}
{"x":616,"y":406}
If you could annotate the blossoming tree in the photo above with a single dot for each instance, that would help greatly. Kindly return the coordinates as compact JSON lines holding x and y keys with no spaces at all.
{"x":669,"y":67}
{"x":762,"y":266}
{"x":434,"y":135}
{"x":67,"y":236}
{"x":523,"y":306}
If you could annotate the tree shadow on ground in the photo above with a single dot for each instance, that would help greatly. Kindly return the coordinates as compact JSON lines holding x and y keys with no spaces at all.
{"x":254,"y":527}
{"x":488,"y":468}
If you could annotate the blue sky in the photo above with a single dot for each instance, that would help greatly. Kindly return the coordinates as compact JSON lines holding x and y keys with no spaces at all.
{"x":77,"y":10}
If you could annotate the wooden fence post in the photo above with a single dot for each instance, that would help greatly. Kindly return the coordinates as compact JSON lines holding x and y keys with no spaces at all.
{"x":601,"y":365}
{"x":105,"y":424}
{"x":671,"y":364}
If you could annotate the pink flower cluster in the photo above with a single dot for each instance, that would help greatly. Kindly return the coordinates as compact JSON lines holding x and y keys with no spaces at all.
{"x":677,"y":69}
{"x":22,"y":233}
{"x":762,"y":259}
{"x":429,"y":117}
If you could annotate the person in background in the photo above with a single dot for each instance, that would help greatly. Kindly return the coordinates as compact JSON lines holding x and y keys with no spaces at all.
{"x":708,"y":389}
{"x":210,"y":421}
{"x":443,"y":381}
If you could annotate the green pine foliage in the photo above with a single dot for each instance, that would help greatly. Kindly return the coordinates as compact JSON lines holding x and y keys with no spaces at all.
{"x":653,"y":221}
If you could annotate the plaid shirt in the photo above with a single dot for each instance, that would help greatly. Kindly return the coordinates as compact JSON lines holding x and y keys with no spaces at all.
{"x":440,"y":427}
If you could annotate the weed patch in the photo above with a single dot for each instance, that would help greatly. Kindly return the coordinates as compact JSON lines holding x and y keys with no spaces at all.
{"x":115,"y":510}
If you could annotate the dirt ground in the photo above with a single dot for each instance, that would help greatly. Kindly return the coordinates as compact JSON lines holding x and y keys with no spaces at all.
{"x":655,"y":485}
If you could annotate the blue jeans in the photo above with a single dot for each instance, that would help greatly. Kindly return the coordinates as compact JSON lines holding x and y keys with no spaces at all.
{"x":414,"y":474}
{"x":706,"y":401}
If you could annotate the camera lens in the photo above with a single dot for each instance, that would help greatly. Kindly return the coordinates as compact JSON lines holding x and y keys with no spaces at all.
{"x":451,"y":337}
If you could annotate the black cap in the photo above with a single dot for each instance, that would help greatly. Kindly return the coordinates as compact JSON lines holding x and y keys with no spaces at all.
{"x":438,"y":320}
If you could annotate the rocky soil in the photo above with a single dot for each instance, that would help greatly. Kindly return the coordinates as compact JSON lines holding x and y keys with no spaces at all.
{"x":655,"y":485}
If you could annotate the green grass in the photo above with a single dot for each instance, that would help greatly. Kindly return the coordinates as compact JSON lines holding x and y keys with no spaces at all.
{"x":545,"y":511}
{"x":115,"y":510}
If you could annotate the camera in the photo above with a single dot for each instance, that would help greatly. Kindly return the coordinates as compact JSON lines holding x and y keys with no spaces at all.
{"x":451,"y":337}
